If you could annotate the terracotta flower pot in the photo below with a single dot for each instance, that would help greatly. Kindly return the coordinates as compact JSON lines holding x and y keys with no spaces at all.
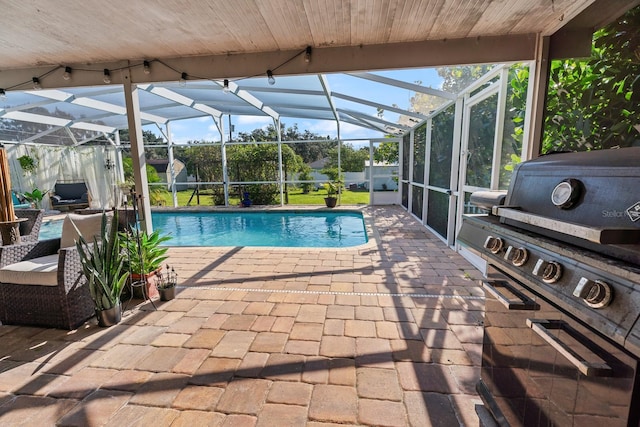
{"x":150,"y":289}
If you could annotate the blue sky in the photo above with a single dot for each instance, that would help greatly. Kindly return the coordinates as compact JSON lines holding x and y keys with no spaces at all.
{"x":205,"y":129}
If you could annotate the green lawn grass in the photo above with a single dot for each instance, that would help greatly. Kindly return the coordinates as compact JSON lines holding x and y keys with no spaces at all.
{"x":295,"y":198}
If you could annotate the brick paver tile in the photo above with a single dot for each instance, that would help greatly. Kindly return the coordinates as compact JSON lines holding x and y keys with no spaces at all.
{"x":160,"y":390}
{"x":83,"y":383}
{"x":359,"y":328}
{"x":306,"y":331}
{"x":282,"y":415}
{"x":333,"y":403}
{"x":32,"y":410}
{"x":425,"y":377}
{"x":191,"y":361}
{"x":95,"y":409}
{"x":344,"y":312}
{"x":204,"y":309}
{"x":333,"y":327}
{"x":259,"y":308}
{"x":336,"y":346}
{"x":215,"y":371}
{"x":233,"y":307}
{"x":285,"y":310}
{"x":382,"y":413}
{"x":342,"y":372}
{"x":369,"y":313}
{"x":429,"y":409}
{"x":215,"y":320}
{"x":269,"y":342}
{"x":239,"y":420}
{"x":387,"y":330}
{"x":252,"y":364}
{"x":129,"y":380}
{"x":312,"y":314}
{"x":162,"y":359}
{"x":122,"y":356}
{"x":290,"y":393}
{"x":308,"y":348}
{"x":204,"y":338}
{"x":451,"y":357}
{"x":316,"y":370}
{"x":283,"y":324}
{"x":440,"y":338}
{"x":263,"y":323}
{"x":287,"y":367}
{"x":144,"y":335}
{"x":374,"y":351}
{"x":131,"y":415}
{"x":376,"y":383}
{"x":170,"y":340}
{"x":234,"y":344}
{"x":186,"y":325}
{"x":198,"y":418}
{"x":244,"y":396}
{"x":198,"y":397}
{"x":239,"y":322}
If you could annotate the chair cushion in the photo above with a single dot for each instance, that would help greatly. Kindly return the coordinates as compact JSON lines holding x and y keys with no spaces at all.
{"x":88,"y":226}
{"x":70,"y":191}
{"x":37,"y":271}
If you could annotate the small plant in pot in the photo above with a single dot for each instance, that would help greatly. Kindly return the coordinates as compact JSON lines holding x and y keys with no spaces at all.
{"x":332,"y":190}
{"x":167,"y":282}
{"x":35,"y":197}
{"x":103,"y":266}
{"x":145,"y":258}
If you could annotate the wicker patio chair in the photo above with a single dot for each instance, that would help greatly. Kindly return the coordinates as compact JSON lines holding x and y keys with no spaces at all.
{"x":42,"y":284}
{"x":30,"y":229}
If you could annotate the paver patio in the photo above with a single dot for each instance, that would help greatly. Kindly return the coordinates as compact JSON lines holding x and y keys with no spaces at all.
{"x":386,"y":334}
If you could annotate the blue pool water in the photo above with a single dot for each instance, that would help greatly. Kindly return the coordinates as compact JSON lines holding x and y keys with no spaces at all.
{"x":274,"y":228}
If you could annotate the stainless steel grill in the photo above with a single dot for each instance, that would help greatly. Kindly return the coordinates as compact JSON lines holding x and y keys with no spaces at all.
{"x":562,"y":316}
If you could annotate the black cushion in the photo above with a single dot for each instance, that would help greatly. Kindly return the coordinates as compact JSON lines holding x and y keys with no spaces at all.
{"x":71,"y":191}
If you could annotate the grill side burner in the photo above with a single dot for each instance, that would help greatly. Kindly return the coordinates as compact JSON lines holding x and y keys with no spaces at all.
{"x":562,"y":314}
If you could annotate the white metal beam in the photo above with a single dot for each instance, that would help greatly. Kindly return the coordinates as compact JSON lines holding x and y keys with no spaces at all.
{"x":399,"y":83}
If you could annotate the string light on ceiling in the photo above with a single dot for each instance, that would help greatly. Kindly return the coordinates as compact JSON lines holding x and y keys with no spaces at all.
{"x":67,"y":73}
{"x":107,"y":76}
{"x":3,"y":94}
{"x":183,"y":79}
{"x":225,"y":86}
{"x":307,"y":54}
{"x":36,"y":83}
{"x":270,"y":78}
{"x":146,"y":67}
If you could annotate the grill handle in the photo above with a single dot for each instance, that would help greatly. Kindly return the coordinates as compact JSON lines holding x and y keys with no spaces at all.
{"x":605,"y":236}
{"x":521,"y":302}
{"x":589,"y":369}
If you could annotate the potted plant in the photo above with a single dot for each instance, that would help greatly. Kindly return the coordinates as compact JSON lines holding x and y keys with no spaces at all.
{"x":144,"y":257}
{"x":103,"y":265}
{"x":167,"y":283}
{"x":35,"y":197}
{"x":332,"y":191}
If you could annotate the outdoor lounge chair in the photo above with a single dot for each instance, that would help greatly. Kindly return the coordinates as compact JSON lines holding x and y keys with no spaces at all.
{"x":19,"y":202}
{"x":42,"y":283}
{"x":69,"y":196}
{"x":30,"y":229}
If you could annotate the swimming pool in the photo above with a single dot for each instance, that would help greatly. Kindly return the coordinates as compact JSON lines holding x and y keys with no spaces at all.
{"x":256,"y":228}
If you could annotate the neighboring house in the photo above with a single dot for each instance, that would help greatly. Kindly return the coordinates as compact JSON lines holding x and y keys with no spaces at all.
{"x":385,"y":175}
{"x":162,"y":167}
{"x":356,"y":178}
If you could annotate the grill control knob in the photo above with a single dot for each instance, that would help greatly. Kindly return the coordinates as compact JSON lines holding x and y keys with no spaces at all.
{"x":595,"y":293}
{"x":517,"y":256}
{"x":494,"y":244}
{"x":550,"y":271}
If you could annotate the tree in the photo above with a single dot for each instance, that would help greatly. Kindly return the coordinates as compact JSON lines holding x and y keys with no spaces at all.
{"x":456,"y":79}
{"x":351,"y":160}
{"x":595,"y":103}
{"x":309,"y":151}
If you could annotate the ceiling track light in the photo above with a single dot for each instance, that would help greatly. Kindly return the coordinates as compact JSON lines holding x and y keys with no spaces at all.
{"x":183,"y":79}
{"x":270,"y":78}
{"x":36,"y":83}
{"x":146,"y":67}
{"x":107,"y":76}
{"x":67,"y":73}
{"x":3,"y":94}
{"x":307,"y":54}
{"x":225,"y":86}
